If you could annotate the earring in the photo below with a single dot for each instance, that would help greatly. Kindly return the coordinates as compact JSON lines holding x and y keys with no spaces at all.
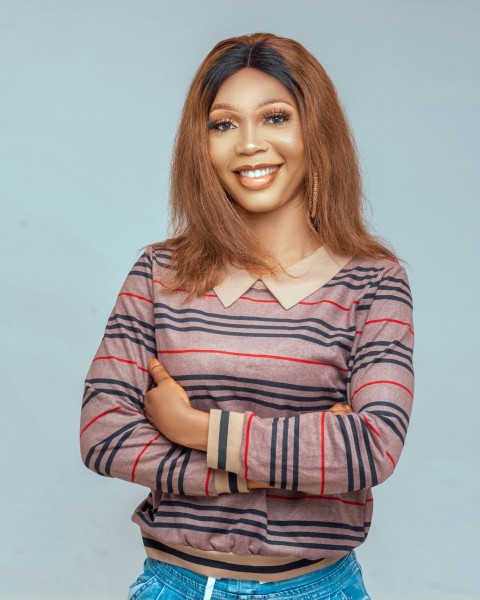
{"x":203,"y":205}
{"x":314,"y":199}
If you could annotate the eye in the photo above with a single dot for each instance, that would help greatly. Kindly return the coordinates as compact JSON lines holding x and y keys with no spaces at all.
{"x":221,"y":125}
{"x":277,"y":117}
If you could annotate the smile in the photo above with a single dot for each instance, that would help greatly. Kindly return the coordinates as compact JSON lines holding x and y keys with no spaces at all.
{"x":259,"y":177}
{"x":259,"y":172}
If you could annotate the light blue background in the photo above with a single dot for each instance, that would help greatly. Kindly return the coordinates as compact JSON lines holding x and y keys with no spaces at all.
{"x":90,"y":96}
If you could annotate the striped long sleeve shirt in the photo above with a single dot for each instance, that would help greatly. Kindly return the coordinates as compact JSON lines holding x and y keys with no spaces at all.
{"x":266,"y":358}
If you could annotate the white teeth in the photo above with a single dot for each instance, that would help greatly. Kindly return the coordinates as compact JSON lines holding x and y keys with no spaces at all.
{"x":258,"y":172}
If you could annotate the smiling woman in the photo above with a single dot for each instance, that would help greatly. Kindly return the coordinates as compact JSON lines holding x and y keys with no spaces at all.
{"x":284,"y":331}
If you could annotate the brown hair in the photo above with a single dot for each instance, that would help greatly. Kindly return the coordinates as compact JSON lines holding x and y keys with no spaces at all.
{"x":204,"y":241}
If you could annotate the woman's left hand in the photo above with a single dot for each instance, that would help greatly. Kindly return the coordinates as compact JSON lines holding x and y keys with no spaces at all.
{"x":167,"y":408}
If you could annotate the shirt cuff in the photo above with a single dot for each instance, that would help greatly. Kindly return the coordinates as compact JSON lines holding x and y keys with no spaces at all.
{"x":229,"y":483}
{"x":225,"y":432}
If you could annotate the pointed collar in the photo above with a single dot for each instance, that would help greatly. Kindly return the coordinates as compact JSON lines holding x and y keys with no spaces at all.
{"x":311,"y":272}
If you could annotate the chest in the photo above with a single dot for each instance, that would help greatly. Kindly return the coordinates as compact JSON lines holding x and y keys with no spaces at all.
{"x":257,"y":356}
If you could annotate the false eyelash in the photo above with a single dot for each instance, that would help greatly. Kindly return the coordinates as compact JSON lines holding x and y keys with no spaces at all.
{"x":215,"y":124}
{"x":278,"y":112}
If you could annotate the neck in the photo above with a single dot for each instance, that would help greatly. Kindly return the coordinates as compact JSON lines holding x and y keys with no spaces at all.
{"x":284,"y":233}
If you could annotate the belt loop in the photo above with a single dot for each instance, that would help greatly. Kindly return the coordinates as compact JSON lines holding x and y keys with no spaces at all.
{"x":209,"y":588}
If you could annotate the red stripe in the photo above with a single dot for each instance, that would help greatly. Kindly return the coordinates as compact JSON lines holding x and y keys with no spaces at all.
{"x":391,"y":321}
{"x":144,"y":449}
{"x":247,"y":441}
{"x":370,"y":426}
{"x":391,"y":458}
{"x":322,"y":488}
{"x":274,"y":301}
{"x":312,"y":497}
{"x":99,"y":417}
{"x":380,"y":381}
{"x":136,"y":296}
{"x":122,"y":360}
{"x":207,"y":481}
{"x":166,"y":287}
{"x":331,"y":302}
{"x":290,"y":358}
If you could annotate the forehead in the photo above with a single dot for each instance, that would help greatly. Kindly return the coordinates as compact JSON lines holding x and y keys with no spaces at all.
{"x":248,"y":88}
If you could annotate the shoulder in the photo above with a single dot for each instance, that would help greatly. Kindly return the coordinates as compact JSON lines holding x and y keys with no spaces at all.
{"x":379,"y":268}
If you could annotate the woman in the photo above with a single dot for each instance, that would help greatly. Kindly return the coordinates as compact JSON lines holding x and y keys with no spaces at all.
{"x":256,"y":372}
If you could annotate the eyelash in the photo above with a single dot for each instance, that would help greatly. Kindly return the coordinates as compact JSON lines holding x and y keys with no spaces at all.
{"x":282,"y":113}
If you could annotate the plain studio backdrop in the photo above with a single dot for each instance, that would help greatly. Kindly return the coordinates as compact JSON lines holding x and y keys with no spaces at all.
{"x":91,"y":92}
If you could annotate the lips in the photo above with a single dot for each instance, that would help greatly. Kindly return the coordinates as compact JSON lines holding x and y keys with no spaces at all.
{"x":256,"y":177}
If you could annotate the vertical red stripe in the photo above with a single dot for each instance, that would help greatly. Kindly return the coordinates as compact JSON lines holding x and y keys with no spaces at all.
{"x":322,"y":488}
{"x":207,"y":481}
{"x":247,"y":441}
{"x":144,"y":449}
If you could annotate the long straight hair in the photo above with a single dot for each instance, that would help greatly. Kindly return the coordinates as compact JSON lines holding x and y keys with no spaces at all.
{"x":202,"y":240}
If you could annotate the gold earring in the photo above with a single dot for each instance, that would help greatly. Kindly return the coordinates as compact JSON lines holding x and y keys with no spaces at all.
{"x":203,"y":205}
{"x":314,"y":198}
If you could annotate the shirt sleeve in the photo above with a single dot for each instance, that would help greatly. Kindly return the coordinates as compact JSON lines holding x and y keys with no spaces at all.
{"x":323,"y":453}
{"x":116,"y":440}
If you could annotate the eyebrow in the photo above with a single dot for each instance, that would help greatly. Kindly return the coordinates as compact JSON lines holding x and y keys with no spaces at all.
{"x":258,"y":107}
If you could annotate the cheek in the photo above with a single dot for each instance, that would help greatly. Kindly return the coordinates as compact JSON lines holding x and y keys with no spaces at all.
{"x":217,"y":152}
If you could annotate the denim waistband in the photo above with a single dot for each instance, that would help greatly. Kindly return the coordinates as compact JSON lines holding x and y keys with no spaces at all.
{"x":192,"y":585}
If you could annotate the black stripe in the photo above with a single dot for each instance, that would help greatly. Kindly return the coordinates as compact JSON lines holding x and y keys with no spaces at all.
{"x":267,"y":323}
{"x":248,"y":533}
{"x":119,"y":382}
{"x":390,"y":423}
{"x":132,"y":319}
{"x":223,"y":440}
{"x":132,"y":329}
{"x":273,"y":451}
{"x":246,"y":334}
{"x":233,"y":482}
{"x":217,"y":564}
{"x":394,"y":298}
{"x":387,"y":413}
{"x":283,"y":484}
{"x":171,"y":470}
{"x":348,"y":452}
{"x":124,"y":336}
{"x":106,"y":441}
{"x":161,"y":466}
{"x":113,"y":453}
{"x":115,"y":394}
{"x":361,"y":468}
{"x":294,"y":408}
{"x":183,"y":468}
{"x":264,"y":382}
{"x":216,"y":508}
{"x":225,"y":319}
{"x":371,"y":463}
{"x":384,"y":361}
{"x":296,"y":451}
{"x":248,"y":522}
{"x":391,"y":405}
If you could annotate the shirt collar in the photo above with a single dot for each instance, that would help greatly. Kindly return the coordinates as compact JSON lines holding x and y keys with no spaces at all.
{"x":312,"y":272}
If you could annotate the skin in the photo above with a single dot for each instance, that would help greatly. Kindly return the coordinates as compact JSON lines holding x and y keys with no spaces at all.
{"x":248,"y":127}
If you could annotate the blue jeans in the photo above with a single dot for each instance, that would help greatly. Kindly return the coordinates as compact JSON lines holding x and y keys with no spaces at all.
{"x":161,"y":581}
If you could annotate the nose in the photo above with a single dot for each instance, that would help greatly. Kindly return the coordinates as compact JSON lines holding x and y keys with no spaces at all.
{"x":251,"y":141}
